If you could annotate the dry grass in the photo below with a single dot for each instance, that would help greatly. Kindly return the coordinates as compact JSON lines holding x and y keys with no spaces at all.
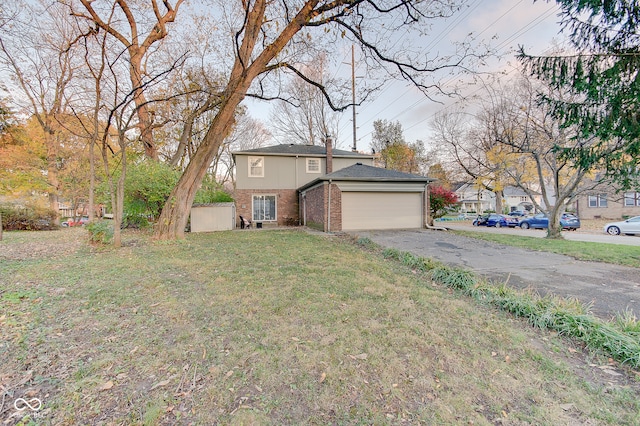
{"x":274,"y":327}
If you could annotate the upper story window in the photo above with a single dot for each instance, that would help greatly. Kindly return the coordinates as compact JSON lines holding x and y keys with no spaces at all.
{"x":256,"y":166}
{"x":313,"y":165}
{"x":599,"y":200}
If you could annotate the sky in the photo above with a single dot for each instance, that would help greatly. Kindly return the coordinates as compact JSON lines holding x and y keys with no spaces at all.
{"x":507,"y":23}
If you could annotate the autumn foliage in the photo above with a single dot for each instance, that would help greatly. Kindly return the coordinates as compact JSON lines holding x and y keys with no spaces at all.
{"x":440,"y":199}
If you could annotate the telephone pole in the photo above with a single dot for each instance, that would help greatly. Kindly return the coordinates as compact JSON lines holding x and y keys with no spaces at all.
{"x":353,"y":95}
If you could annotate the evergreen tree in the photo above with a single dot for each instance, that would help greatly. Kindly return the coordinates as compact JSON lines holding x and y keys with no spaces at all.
{"x":603,"y":76}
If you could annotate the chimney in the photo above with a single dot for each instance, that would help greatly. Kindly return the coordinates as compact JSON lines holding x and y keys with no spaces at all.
{"x":329,"y":144}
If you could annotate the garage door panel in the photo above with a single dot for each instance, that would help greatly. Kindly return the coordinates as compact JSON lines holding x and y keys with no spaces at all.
{"x":381,"y":210}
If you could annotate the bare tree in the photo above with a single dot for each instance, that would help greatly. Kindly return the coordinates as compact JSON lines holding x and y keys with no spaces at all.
{"x":138,"y":29}
{"x":305,"y":117}
{"x":515,"y":120}
{"x":464,"y":145}
{"x":512,"y":139}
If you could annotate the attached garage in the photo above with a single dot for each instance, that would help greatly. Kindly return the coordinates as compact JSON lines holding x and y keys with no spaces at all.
{"x":363,"y":197}
{"x":381,"y":210}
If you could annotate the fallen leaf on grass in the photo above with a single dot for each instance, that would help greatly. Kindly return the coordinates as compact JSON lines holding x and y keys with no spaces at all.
{"x":359,"y":356}
{"x":160,"y":384}
{"x":323,"y":376}
{"x":566,"y":407}
{"x":105,"y":387}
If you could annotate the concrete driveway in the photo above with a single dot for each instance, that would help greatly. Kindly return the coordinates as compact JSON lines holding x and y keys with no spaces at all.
{"x":609,"y":288}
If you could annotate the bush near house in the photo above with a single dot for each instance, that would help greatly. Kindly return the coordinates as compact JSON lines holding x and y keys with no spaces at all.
{"x":440,"y":199}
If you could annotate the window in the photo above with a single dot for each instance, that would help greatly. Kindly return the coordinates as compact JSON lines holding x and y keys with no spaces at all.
{"x":599,"y":200}
{"x":264,"y":207}
{"x":631,"y":199}
{"x":313,"y":165}
{"x":256,"y":166}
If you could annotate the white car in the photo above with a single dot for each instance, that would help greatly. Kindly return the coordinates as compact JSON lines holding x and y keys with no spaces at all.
{"x":630,"y":226}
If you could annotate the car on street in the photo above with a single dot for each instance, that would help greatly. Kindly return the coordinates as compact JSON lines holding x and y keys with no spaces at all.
{"x":497,"y":220}
{"x":517,"y":213}
{"x":541,"y":221}
{"x":630,"y":226}
{"x":76,"y":221}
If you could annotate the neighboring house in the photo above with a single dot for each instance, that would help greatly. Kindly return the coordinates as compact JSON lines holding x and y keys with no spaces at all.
{"x":516,"y":199}
{"x":475,"y":200}
{"x":608,"y":204}
{"x":331,"y":190}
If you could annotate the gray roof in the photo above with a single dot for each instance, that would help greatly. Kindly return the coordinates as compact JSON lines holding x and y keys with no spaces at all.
{"x":362,"y":173}
{"x":295,"y":149}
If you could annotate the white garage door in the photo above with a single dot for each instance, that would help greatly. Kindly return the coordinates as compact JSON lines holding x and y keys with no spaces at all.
{"x":381,"y":210}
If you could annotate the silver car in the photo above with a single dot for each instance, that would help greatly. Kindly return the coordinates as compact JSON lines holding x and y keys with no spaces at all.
{"x":630,"y":226}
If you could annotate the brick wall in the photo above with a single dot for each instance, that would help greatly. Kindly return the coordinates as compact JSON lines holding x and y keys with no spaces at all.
{"x":615,"y":209}
{"x":286,"y":205}
{"x":336,"y":209}
{"x":316,"y":208}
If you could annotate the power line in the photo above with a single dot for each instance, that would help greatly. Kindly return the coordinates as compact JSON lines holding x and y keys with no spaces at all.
{"x":535,"y":22}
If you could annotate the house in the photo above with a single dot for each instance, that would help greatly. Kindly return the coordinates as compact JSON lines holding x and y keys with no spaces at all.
{"x":268,"y":178}
{"x":479,"y":200}
{"x":516,"y":199}
{"x":607,"y":203}
{"x":473,"y":199}
{"x":305,"y":184}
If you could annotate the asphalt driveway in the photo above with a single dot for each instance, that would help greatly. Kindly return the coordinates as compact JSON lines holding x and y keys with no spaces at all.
{"x":610,"y":289}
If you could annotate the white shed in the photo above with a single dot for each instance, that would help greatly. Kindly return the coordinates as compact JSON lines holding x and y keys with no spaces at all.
{"x":212,"y":217}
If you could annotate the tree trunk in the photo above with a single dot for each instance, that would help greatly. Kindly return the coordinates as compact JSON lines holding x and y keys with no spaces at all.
{"x":175,"y":213}
{"x":145,"y":120}
{"x":499,"y":196}
{"x":554,"y":231}
{"x":52,"y":173}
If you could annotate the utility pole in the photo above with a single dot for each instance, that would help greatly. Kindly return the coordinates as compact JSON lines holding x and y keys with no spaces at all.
{"x":353,"y":95}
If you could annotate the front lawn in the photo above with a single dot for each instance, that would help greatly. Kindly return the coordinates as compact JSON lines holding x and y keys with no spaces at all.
{"x":274,"y":327}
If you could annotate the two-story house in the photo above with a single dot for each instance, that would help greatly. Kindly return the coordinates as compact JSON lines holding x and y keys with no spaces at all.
{"x":326,"y":188}
{"x":478,"y":200}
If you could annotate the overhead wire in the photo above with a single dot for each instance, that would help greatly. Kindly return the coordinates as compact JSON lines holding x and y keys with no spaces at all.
{"x":535,"y":22}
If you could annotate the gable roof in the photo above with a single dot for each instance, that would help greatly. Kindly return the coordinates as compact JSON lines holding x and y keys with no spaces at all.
{"x":362,"y":173}
{"x":295,"y":149}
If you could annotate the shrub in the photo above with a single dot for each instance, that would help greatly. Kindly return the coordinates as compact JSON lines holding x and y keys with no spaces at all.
{"x":27,"y":218}
{"x":100,"y":232}
{"x":211,"y":192}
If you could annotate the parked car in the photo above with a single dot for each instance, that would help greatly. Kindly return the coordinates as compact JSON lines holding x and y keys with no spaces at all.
{"x":73,"y":222}
{"x":497,"y":220}
{"x":630,"y":226}
{"x":541,"y":221}
{"x":517,"y":213}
